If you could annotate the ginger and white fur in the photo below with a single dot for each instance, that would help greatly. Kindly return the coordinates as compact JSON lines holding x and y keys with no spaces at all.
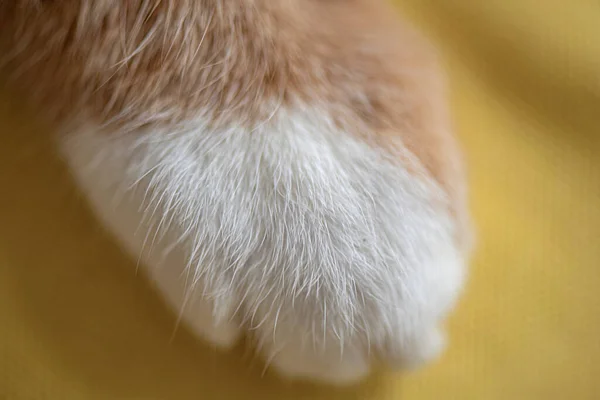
{"x":280,"y":168}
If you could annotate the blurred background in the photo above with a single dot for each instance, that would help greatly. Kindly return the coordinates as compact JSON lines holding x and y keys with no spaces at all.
{"x":75,"y":323}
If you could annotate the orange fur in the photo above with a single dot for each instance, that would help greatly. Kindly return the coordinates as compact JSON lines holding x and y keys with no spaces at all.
{"x":134,"y":63}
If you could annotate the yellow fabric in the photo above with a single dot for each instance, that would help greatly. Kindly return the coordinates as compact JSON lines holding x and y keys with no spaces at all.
{"x":75,"y":323}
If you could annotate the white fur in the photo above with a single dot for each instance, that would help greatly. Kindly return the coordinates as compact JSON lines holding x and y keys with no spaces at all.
{"x":328,"y":251}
